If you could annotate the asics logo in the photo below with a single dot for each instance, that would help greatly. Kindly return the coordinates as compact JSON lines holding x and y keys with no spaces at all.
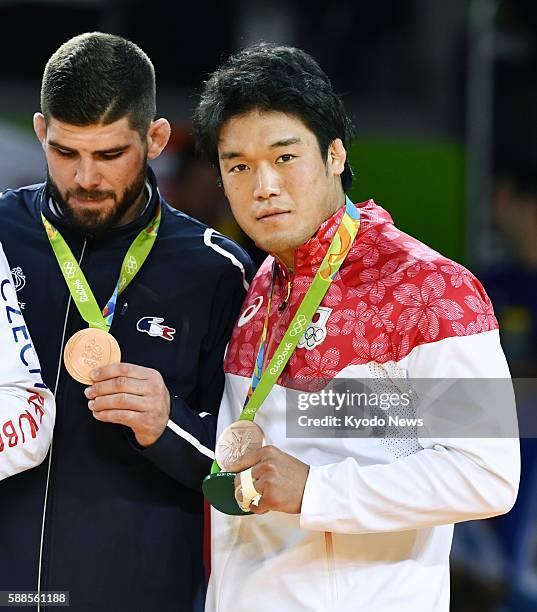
{"x":69,"y":269}
{"x":250,"y":312}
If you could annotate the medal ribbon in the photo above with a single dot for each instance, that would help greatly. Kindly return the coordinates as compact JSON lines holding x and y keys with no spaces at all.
{"x":260,"y":359}
{"x":335,"y":256}
{"x":78,"y":285}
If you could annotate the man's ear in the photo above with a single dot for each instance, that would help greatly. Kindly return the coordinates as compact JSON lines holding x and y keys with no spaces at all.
{"x":40,"y":128}
{"x":337,"y":156}
{"x":157,"y":137}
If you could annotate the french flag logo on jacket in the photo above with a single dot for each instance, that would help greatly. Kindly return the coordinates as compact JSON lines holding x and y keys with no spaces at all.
{"x":153,"y":327}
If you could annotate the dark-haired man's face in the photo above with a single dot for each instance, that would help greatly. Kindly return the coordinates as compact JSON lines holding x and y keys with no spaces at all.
{"x":96,"y":173}
{"x":278,"y":185}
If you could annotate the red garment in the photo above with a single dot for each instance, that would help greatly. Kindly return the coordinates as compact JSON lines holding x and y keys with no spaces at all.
{"x":392,"y":293}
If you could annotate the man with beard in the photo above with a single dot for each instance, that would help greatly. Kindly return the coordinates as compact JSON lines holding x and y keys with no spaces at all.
{"x":130,"y":304}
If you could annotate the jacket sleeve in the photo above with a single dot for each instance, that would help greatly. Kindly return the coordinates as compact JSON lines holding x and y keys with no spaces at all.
{"x":27,"y":408}
{"x":185,"y":450}
{"x":450,"y":479}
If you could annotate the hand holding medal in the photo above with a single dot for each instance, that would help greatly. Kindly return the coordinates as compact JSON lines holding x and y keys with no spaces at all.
{"x":268,"y":478}
{"x":237,"y":440}
{"x":88,"y":349}
{"x":120,"y":393}
{"x":94,"y":347}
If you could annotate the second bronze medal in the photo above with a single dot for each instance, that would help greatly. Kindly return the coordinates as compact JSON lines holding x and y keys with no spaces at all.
{"x":235,"y":441}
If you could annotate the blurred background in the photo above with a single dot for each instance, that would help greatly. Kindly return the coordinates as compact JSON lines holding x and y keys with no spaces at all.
{"x":443,"y":94}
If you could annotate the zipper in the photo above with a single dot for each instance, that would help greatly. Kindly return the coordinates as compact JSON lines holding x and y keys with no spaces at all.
{"x":282,"y":306}
{"x":330,"y":564}
{"x":52,"y":443}
{"x":273,"y":331}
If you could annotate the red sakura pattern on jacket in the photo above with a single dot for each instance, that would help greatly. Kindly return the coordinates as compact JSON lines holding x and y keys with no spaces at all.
{"x":391,"y":294}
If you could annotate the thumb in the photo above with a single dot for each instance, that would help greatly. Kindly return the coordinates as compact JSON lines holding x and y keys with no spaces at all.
{"x":246,"y":461}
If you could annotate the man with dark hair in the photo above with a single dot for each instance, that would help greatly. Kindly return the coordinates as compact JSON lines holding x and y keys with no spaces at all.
{"x":317,"y":105}
{"x":125,"y":87}
{"x":339,"y":524}
{"x":131,"y":304}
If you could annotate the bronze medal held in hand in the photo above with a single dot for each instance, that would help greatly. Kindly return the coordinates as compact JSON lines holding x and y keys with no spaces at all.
{"x":89,"y":349}
{"x":235,"y":441}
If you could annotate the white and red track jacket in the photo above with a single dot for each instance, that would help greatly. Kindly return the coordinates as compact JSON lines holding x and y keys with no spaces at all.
{"x":27,"y":408}
{"x":377,"y":516}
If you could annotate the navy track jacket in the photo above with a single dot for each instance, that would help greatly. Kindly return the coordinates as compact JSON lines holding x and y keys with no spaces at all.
{"x":118,"y":526}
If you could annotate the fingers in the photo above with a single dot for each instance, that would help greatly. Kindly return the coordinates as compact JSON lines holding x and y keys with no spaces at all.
{"x":279,"y":478}
{"x":131,"y":395}
{"x":119,"y":385}
{"x":118,"y":401}
{"x":247,"y":460}
{"x":261,"y":461}
{"x":129,"y":418}
{"x":261,"y":474}
{"x":252,"y":488}
{"x":249,"y":492}
{"x":124,"y":386}
{"x":128,"y":370}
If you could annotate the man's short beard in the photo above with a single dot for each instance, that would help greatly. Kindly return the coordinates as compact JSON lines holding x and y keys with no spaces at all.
{"x":96,"y":222}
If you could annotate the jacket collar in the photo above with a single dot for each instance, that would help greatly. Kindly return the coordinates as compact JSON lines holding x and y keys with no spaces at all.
{"x":309,"y":256}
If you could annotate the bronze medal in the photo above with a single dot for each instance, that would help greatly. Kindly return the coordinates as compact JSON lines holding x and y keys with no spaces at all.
{"x":235,"y":441}
{"x":89,"y":349}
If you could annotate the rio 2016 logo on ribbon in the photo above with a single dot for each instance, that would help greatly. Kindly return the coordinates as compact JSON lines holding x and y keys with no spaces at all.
{"x":69,"y":268}
{"x":132,"y":265}
{"x":281,"y":358}
{"x":298,"y":326}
